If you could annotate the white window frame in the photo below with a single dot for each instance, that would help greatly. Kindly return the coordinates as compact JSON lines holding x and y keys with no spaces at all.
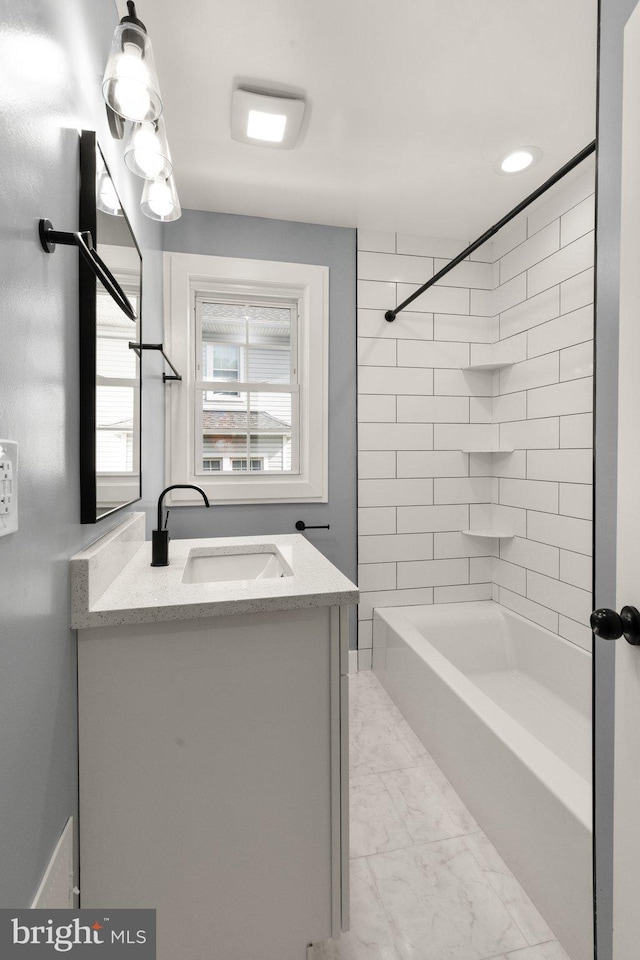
{"x":186,"y":275}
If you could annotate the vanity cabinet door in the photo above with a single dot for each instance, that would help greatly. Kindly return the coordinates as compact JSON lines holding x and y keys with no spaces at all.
{"x":340,"y":769}
{"x":211,"y":780}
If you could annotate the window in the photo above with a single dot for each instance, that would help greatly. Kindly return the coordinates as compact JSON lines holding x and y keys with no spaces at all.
{"x":220,"y":362}
{"x":242,"y":464}
{"x":247,"y":340}
{"x":250,"y":337}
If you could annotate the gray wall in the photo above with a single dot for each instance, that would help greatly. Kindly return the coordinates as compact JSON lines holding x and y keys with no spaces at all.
{"x":52,"y":56}
{"x":613,"y":16}
{"x":259,"y":239}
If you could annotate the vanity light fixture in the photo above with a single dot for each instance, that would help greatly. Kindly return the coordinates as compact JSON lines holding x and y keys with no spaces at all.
{"x":130,"y":86}
{"x":265,"y":119}
{"x":131,"y":90}
{"x":160,"y":200}
{"x":147,"y":151}
{"x":518,"y":160}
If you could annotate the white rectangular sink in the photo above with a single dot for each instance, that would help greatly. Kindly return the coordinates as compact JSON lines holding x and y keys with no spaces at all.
{"x":247,"y":563}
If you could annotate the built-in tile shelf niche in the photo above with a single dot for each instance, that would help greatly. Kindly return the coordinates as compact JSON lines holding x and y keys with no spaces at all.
{"x":489,"y":534}
{"x":495,"y":356}
{"x":487,"y":450}
{"x":490,"y":357}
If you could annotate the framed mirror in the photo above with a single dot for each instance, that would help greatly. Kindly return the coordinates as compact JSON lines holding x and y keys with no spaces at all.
{"x":110,"y":375}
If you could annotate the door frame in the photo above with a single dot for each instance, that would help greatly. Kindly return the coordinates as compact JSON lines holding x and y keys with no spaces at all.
{"x":612,"y":17}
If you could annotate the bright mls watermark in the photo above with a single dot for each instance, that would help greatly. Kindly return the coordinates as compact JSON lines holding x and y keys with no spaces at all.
{"x":87,"y":934}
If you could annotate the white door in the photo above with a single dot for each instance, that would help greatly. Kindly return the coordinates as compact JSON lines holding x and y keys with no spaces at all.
{"x":626,"y":906}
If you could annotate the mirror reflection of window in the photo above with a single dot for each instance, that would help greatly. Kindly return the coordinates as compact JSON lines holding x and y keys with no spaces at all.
{"x":117,"y":440}
{"x":116,"y":386}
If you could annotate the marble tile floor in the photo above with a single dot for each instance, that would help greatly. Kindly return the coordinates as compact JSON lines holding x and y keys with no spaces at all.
{"x":426,"y":884}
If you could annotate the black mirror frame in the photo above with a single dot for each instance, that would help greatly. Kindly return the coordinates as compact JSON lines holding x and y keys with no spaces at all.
{"x":88,"y":342}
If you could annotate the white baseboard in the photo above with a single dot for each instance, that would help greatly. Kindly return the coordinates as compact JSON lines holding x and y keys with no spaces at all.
{"x":56,"y":890}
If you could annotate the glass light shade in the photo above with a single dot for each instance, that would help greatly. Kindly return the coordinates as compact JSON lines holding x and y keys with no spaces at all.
{"x":106,"y":197}
{"x":130,"y":85}
{"x":147,"y":152}
{"x":160,"y":200}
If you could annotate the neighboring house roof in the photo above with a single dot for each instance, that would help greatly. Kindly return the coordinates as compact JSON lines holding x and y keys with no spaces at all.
{"x":117,"y":425}
{"x":232,"y":421}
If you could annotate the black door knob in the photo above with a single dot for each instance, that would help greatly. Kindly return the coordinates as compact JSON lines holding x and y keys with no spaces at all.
{"x":609,"y":625}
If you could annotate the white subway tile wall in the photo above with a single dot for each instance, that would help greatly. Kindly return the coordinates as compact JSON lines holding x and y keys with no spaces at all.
{"x":555,"y":432}
{"x":417,"y":410}
{"x":527,"y":297}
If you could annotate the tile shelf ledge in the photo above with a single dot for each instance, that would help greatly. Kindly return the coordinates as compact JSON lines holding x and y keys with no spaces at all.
{"x":493,"y":534}
{"x":487,"y":449}
{"x":489,"y":366}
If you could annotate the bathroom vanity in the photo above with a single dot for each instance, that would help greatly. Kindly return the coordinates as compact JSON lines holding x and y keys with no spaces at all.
{"x":213,"y":741}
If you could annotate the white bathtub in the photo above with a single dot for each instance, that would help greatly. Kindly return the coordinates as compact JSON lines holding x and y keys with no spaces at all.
{"x":504,"y":708}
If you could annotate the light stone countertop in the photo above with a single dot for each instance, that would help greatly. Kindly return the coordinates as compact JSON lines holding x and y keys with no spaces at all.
{"x":140,"y":593}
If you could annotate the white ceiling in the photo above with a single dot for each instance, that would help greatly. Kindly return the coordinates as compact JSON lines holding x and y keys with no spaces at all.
{"x":410,"y":103}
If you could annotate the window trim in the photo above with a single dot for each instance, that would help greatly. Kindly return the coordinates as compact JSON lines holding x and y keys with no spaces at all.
{"x":188,"y":274}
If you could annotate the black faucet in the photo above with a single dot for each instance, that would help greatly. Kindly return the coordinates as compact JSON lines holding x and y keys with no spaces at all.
{"x":160,"y":537}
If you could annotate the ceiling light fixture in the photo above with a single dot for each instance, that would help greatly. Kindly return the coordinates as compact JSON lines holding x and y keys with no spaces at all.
{"x":266,"y":126}
{"x":518,"y":160}
{"x":265,"y":119}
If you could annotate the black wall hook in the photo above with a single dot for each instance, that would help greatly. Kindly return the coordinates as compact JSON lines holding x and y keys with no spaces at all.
{"x":301,"y":525}
{"x":83,"y":240}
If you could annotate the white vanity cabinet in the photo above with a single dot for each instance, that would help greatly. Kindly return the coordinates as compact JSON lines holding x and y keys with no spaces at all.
{"x":210,"y":780}
{"x":213,"y":779}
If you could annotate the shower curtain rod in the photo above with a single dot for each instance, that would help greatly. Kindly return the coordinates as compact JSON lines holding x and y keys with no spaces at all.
{"x":390,"y":315}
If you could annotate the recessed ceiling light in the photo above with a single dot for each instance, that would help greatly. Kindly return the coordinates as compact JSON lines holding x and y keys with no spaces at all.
{"x":518,"y":160}
{"x":266,"y":120}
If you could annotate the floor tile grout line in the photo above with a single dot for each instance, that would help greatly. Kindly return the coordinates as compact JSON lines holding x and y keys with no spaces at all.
{"x":422,"y":843}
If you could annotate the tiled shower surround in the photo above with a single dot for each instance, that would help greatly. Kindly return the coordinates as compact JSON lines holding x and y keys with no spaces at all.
{"x":526,"y":298}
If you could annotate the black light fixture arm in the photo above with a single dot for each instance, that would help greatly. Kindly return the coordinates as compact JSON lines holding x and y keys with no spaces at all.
{"x":390,"y":315}
{"x":83,"y":240}
{"x":139,"y":347}
{"x":132,"y":16}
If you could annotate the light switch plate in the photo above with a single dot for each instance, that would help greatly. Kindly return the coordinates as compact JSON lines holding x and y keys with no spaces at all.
{"x":8,"y":487}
